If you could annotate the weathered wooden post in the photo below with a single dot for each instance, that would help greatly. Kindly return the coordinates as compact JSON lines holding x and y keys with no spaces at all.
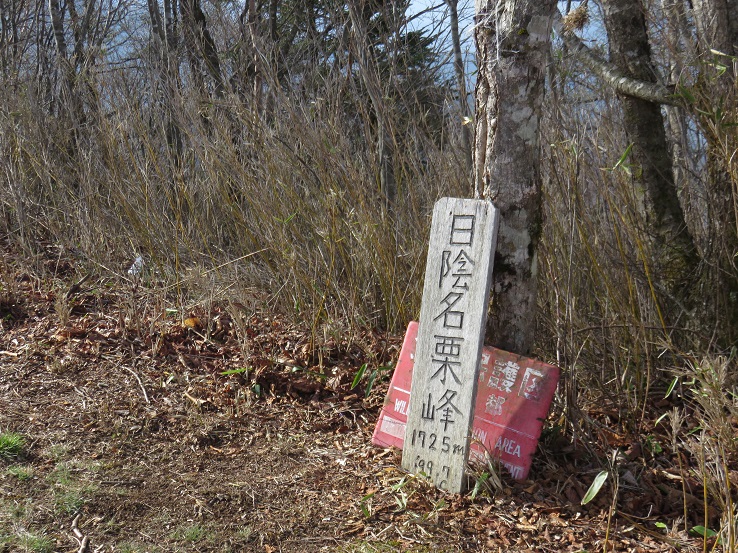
{"x":450,"y":337}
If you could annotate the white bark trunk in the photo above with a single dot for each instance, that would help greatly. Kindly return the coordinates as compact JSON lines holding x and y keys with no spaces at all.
{"x":513,"y":39}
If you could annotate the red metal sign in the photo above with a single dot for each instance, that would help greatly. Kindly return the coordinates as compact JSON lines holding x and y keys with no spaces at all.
{"x":513,"y":398}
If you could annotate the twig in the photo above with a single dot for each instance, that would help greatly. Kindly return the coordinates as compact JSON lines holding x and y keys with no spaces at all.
{"x":76,"y":288}
{"x":180,"y":281}
{"x":84,"y":541}
{"x":146,"y":397}
{"x":197,"y":401}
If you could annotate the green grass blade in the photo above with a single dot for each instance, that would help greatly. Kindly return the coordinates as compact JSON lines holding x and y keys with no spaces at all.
{"x":595,"y":488}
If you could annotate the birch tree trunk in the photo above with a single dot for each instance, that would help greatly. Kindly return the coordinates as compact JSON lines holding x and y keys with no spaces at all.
{"x":513,"y":39}
{"x":717,"y":25}
{"x":693,"y":193}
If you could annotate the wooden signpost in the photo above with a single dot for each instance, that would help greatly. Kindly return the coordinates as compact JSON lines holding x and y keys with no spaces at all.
{"x":453,"y":315}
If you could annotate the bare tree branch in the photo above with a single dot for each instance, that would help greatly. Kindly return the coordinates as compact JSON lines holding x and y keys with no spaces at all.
{"x":614,"y":77}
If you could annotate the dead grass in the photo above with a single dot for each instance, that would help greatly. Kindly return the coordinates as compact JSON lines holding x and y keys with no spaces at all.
{"x":175,"y":447}
{"x":300,"y":218}
{"x":269,"y":220}
{"x":607,"y":316}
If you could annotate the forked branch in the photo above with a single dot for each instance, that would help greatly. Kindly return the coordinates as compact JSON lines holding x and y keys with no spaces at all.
{"x":610,"y":74}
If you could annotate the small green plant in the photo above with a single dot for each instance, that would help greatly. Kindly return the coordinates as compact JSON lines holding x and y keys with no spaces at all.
{"x":596,"y":486}
{"x":488,"y":480}
{"x":58,"y":452}
{"x":11,"y":445}
{"x":193,"y":533}
{"x":653,"y":445}
{"x":70,"y":494}
{"x":36,"y":543}
{"x":371,"y":379}
{"x":240,"y":370}
{"x":21,"y":472}
{"x":18,"y":511}
{"x":366,"y":505}
{"x":61,"y":475}
{"x":400,"y":495}
{"x":245,"y":534}
{"x":706,"y":534}
{"x":406,"y":487}
{"x":68,"y":502}
{"x":486,"y":474}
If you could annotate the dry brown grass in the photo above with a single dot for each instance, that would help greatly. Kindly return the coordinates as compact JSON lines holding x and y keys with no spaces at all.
{"x":279,"y":209}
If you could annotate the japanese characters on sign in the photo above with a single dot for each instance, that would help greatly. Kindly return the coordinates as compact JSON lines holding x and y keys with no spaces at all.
{"x":452,"y":319}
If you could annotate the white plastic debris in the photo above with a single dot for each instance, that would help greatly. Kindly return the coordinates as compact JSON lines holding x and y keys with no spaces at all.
{"x":137,"y":267}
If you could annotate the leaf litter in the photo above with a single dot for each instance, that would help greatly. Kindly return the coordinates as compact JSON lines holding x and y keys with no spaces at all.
{"x":234,"y":430}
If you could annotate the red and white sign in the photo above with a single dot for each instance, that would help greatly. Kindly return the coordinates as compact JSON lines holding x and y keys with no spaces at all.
{"x":513,"y":398}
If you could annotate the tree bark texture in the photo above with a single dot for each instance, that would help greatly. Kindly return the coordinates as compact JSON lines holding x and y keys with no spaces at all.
{"x":717,"y":36}
{"x":680,"y":47}
{"x":644,"y":125}
{"x":513,"y":39}
{"x":717,"y":25}
{"x":165,"y":44}
{"x":68,"y":80}
{"x":613,"y":75}
{"x":200,"y":45}
{"x":69,"y":98}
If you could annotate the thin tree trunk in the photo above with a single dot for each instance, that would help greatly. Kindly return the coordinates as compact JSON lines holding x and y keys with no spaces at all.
{"x":201,"y":46}
{"x":251,"y":57}
{"x":370,"y":77}
{"x":164,"y":43}
{"x":57,"y":24}
{"x":69,"y":100}
{"x":692,"y":189}
{"x":674,"y":248}
{"x":5,"y":40}
{"x":460,"y":81}
{"x":733,"y":25}
{"x":717,"y":34}
{"x":713,"y":19}
{"x":513,"y":39}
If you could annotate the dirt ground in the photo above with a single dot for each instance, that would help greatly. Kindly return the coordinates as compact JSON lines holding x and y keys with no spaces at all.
{"x":224,"y":428}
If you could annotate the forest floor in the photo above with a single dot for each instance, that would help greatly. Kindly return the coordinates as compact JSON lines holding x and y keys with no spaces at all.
{"x":225,"y":428}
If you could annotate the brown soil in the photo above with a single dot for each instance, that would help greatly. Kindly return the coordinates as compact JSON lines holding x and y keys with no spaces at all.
{"x":225,"y":429}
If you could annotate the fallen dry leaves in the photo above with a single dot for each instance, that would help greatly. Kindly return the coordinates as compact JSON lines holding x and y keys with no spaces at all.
{"x":244,"y":425}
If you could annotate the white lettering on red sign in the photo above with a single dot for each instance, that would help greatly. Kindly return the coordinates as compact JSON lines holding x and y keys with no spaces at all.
{"x":511,"y":447}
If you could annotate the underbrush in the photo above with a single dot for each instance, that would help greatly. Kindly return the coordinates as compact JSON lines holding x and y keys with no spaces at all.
{"x":705,"y":431}
{"x":290,"y":205}
{"x":282,"y":210}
